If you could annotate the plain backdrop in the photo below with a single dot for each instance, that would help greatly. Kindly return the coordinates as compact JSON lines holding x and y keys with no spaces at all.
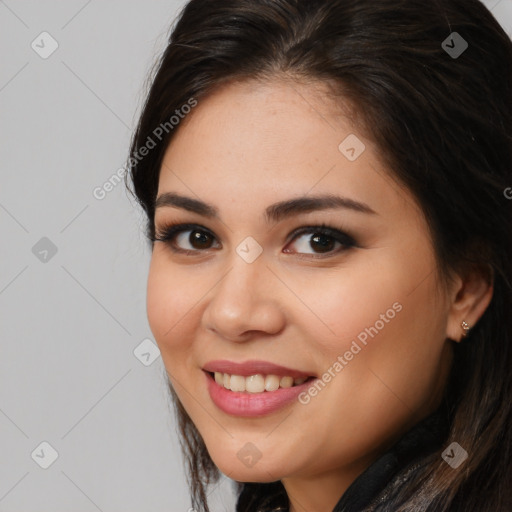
{"x":85,"y":419}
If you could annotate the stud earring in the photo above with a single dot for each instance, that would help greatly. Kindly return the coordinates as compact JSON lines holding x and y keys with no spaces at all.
{"x":465,"y":328}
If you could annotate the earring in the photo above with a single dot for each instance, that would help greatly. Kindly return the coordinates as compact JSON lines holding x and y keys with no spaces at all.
{"x":465,"y":328}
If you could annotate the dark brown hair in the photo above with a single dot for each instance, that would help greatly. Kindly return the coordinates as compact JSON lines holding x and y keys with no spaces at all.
{"x":443,"y":124}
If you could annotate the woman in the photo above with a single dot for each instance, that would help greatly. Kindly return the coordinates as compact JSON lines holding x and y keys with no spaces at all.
{"x":327,"y":190}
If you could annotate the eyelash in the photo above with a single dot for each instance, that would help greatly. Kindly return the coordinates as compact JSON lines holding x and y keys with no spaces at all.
{"x":167,"y":232}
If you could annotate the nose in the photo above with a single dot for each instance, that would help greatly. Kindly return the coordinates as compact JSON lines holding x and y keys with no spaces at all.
{"x":245,"y":303}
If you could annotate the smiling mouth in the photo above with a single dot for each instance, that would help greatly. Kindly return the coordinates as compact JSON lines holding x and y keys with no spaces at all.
{"x":257,"y":383}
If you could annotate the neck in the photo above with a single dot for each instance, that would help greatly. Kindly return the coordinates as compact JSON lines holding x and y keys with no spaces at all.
{"x":321,"y":493}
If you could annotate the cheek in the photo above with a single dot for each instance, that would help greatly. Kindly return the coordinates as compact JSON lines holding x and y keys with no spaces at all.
{"x":358,"y":302}
{"x":170,"y":301}
{"x":384,"y":317}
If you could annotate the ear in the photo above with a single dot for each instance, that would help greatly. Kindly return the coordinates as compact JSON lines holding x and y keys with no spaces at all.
{"x":471,"y":294}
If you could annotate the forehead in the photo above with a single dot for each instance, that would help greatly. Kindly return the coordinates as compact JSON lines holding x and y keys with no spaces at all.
{"x":252,"y":143}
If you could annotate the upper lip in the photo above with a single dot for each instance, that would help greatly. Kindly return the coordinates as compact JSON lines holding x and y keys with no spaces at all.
{"x":253,"y":367}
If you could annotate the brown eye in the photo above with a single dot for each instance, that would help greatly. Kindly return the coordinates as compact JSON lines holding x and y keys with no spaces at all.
{"x":323,"y":243}
{"x":320,"y":240}
{"x":197,"y":239}
{"x":186,"y":238}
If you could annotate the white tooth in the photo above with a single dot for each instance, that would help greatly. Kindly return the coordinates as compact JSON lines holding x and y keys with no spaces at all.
{"x":271,"y":382}
{"x":286,"y":382}
{"x":237,"y":383}
{"x":255,"y":384}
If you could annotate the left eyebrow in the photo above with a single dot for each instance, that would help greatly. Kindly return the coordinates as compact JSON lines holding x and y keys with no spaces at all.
{"x":273,"y":213}
{"x":306,"y":204}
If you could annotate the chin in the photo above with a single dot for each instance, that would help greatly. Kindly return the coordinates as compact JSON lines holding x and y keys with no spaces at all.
{"x":256,"y":474}
{"x":247,"y":464}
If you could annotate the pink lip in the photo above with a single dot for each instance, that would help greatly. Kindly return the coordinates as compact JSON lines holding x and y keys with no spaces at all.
{"x":252,"y":404}
{"x":253,"y":367}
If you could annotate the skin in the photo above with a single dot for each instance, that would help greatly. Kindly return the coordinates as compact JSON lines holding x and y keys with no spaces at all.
{"x":252,"y":144}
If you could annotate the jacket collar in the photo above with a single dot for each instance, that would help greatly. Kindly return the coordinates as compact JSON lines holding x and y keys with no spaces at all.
{"x":397,"y":465}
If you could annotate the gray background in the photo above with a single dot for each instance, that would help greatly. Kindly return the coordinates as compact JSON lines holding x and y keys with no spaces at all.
{"x":71,"y":320}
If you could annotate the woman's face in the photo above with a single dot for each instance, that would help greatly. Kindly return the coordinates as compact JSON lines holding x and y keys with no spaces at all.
{"x":355,"y":307}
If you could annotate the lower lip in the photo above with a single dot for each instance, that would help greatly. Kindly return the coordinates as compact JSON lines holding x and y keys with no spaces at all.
{"x":252,"y":404}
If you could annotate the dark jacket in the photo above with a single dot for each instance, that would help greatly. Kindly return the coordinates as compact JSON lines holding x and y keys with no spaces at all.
{"x":376,"y":484}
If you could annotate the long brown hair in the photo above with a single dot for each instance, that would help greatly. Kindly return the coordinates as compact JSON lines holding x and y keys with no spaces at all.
{"x":443,"y":124}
